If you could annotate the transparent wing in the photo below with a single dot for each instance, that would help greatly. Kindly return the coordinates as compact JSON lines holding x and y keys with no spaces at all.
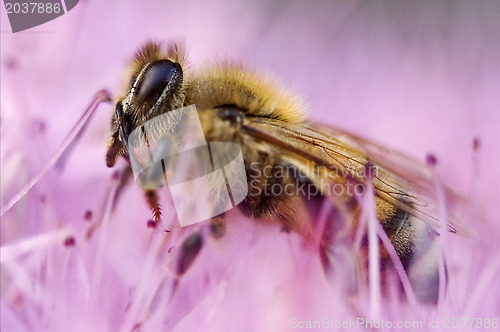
{"x":399,"y":180}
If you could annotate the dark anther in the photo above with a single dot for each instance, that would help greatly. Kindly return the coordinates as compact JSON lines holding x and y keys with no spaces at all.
{"x":476,"y":143}
{"x":88,"y":215}
{"x":190,"y":249}
{"x":431,"y":160}
{"x":370,"y":170}
{"x":69,"y":241}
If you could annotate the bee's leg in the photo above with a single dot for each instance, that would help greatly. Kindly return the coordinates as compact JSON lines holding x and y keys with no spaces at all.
{"x":151,"y":196}
{"x":339,"y":262}
{"x":154,"y":204}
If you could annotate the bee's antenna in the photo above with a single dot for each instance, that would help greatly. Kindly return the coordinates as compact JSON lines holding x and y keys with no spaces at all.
{"x":100,"y":96}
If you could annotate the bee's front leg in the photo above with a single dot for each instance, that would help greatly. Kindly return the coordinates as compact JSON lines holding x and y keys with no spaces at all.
{"x":154,"y":203}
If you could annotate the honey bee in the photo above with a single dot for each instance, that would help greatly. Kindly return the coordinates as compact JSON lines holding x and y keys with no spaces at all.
{"x":268,"y":124}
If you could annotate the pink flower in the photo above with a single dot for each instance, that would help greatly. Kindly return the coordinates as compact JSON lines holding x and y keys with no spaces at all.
{"x":417,"y":77}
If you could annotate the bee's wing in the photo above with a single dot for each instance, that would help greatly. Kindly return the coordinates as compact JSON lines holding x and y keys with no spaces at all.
{"x":399,"y":180}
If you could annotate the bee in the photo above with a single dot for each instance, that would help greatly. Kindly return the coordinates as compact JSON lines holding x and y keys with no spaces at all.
{"x":282,"y":149}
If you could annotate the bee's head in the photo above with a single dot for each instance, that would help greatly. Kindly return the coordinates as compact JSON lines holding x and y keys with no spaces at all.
{"x":154,"y":86}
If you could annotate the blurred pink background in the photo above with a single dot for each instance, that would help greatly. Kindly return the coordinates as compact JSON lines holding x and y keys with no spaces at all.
{"x":417,"y":76}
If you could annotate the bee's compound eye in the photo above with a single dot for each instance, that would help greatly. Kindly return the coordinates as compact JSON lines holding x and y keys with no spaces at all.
{"x":161,"y":75}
